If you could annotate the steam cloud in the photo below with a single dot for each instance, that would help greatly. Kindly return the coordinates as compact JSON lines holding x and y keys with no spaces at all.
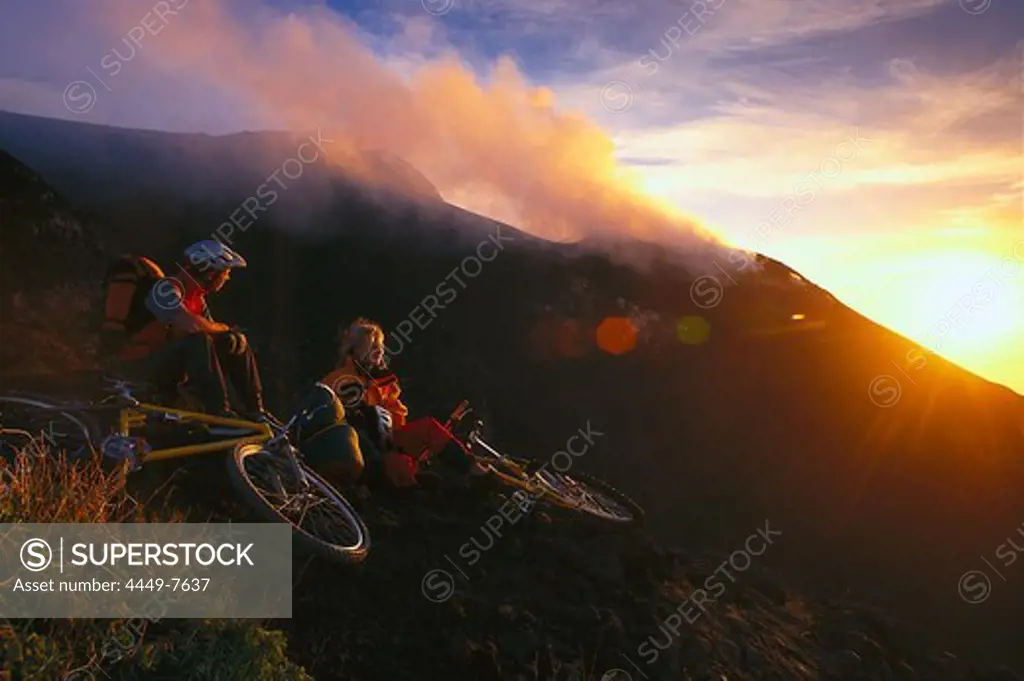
{"x":495,"y":145}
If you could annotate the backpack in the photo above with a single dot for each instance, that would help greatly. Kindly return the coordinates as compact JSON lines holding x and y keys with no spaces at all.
{"x":318,"y":409}
{"x":321,"y":432}
{"x":125,"y":287}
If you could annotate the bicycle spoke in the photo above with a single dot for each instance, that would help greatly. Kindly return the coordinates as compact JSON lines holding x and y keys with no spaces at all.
{"x":26,"y":420}
{"x":581,"y":497}
{"x":304,"y":505}
{"x":320,"y":511}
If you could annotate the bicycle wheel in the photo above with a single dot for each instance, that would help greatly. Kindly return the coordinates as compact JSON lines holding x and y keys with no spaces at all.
{"x":27,"y":421}
{"x":323,"y":522}
{"x":589,"y":495}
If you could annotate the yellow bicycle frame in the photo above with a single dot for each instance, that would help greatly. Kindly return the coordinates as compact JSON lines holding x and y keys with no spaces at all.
{"x":534,"y":490}
{"x":135,"y":417}
{"x":519,"y":478}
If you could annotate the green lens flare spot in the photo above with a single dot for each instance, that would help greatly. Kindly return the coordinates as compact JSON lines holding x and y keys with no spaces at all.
{"x":693,"y":330}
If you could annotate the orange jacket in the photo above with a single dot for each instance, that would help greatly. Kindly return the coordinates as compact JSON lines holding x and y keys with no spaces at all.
{"x":354,"y":387}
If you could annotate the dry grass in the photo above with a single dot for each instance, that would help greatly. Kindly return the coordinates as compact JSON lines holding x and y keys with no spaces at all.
{"x":41,"y":487}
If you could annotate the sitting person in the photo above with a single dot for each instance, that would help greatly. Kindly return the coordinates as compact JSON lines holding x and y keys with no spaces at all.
{"x":169,"y":334}
{"x":388,"y":441}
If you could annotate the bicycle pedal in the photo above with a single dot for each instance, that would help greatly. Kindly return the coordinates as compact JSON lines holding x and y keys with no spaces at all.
{"x":122,"y":448}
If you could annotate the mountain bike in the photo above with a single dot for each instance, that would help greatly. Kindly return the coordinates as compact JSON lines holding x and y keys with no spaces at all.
{"x":541,"y":481}
{"x":266,"y":470}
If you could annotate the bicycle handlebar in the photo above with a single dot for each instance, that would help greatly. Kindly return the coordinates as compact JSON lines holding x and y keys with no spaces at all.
{"x":458,"y":414}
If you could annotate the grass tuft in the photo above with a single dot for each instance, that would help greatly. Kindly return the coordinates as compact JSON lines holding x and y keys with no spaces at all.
{"x":39,"y":485}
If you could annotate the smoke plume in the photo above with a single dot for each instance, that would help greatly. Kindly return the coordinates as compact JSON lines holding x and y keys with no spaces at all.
{"x":490,"y":142}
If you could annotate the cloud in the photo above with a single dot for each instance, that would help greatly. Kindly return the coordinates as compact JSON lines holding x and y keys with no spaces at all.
{"x":739,"y":126}
{"x":30,"y":96}
{"x":763,"y":129}
{"x":633,"y":27}
{"x":492,"y":141}
{"x":495,"y":142}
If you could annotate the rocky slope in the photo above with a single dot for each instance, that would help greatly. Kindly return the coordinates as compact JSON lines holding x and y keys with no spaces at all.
{"x":452,"y":592}
{"x":554,"y":598}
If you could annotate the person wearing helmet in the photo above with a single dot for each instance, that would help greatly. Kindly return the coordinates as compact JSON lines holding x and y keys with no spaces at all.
{"x":182,"y":339}
{"x":371,"y":395}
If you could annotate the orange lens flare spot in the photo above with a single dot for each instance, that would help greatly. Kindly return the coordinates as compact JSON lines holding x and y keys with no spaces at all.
{"x":616,"y":335}
{"x":693,"y":330}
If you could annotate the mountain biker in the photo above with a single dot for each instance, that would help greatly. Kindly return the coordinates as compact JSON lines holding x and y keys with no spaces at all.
{"x":180,"y":337}
{"x":371,"y":395}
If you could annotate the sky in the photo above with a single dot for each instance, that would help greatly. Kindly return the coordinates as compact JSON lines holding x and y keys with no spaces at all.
{"x":876,"y":146}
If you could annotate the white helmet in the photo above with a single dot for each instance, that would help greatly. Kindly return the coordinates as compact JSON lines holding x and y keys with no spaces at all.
{"x":212,"y":253}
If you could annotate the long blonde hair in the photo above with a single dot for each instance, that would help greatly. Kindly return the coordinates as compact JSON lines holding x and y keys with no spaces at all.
{"x":356,"y":332}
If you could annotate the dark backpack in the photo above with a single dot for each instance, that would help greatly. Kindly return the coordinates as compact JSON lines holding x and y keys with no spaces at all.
{"x":125,"y":287}
{"x":318,"y":409}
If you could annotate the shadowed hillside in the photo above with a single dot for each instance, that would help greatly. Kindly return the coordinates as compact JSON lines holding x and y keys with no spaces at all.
{"x":49,"y":260}
{"x":722,"y":414}
{"x":449,"y":593}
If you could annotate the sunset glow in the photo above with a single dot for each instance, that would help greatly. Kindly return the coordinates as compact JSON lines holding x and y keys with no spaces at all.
{"x":876,"y":147}
{"x":965,"y":304}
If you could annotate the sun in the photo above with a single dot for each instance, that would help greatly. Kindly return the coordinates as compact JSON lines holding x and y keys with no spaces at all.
{"x":966,"y":319}
{"x":966,"y":305}
{"x":986,"y":326}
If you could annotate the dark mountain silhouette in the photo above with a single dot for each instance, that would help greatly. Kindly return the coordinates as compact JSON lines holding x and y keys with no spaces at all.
{"x":42,"y":229}
{"x":49,"y":257}
{"x":191,"y":165}
{"x":719,"y":419}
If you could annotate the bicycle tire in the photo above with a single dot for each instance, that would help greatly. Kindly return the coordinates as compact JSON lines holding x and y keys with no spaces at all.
{"x":604,"y":489}
{"x":251,"y":494}
{"x":84,"y":430}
